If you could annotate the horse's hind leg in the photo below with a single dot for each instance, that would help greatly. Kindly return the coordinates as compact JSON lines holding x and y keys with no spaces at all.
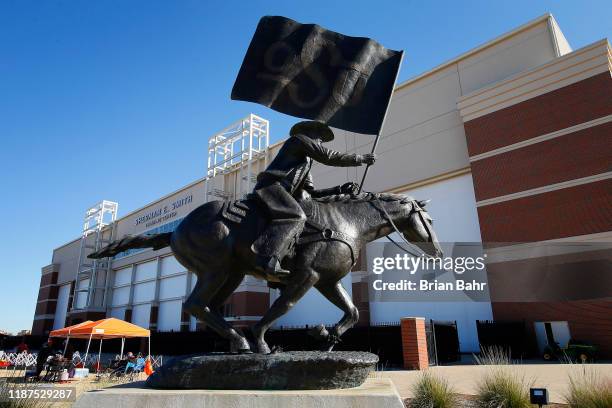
{"x":300,"y":282}
{"x":336,"y":294}
{"x":211,"y":290}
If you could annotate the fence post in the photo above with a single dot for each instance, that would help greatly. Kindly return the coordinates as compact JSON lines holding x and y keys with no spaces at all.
{"x":414,"y":343}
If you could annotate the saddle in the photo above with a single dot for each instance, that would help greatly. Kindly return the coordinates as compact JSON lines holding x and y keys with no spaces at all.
{"x":236,"y":211}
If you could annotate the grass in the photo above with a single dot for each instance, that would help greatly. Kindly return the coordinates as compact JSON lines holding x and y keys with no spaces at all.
{"x":494,"y":355}
{"x":433,"y":392}
{"x":12,"y":382}
{"x":502,"y":386}
{"x":587,"y":389}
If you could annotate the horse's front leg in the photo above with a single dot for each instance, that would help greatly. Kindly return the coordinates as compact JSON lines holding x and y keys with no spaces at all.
{"x":298,"y":284}
{"x":336,"y":294}
{"x":211,"y":290}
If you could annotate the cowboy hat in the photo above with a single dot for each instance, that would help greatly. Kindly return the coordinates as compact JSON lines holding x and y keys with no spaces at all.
{"x":313,"y":127}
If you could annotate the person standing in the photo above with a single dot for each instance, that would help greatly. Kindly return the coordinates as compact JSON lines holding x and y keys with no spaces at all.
{"x":44,"y":353}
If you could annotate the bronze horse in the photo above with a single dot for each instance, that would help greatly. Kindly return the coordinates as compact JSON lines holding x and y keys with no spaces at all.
{"x":217,"y":250}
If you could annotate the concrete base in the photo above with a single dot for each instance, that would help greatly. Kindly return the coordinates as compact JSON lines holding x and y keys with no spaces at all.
{"x":374,"y":393}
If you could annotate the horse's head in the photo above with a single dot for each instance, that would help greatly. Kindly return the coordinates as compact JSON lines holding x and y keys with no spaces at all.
{"x":399,"y":212}
{"x":409,"y":217}
{"x":418,"y":229}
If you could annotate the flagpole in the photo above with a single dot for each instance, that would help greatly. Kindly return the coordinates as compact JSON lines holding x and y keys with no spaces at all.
{"x":382,"y":124}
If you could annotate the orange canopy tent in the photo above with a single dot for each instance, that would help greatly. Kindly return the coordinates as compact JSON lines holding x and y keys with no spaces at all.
{"x":110,"y":328}
{"x":65,"y":332}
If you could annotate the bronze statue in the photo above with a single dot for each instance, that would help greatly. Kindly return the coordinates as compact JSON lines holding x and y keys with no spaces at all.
{"x":284,"y":180}
{"x":215,"y":240}
{"x":286,"y":232}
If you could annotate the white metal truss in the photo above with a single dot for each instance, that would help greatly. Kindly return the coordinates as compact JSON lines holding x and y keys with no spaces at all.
{"x":93,"y":238}
{"x":236,"y":148}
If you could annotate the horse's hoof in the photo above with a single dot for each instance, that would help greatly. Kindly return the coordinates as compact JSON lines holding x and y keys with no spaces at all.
{"x":240,"y":345}
{"x":331,"y":342}
{"x":319,"y":333}
{"x":262,"y":348}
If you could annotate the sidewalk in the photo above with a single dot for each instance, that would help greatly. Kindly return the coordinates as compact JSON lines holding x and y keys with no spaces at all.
{"x":465,"y":377}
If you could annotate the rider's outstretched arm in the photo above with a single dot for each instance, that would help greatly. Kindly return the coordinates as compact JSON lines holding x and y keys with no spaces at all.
{"x":327,"y":156}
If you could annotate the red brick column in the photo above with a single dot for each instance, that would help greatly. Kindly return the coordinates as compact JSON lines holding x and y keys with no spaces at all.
{"x":414,"y":343}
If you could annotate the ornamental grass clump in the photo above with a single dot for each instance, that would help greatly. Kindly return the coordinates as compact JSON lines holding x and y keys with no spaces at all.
{"x":10,"y":383}
{"x":494,"y":355}
{"x":433,"y":392}
{"x":503,"y":388}
{"x":588,"y":389}
{"x":503,"y":385}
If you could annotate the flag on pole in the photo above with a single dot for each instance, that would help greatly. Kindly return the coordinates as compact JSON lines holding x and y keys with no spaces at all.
{"x":307,"y":71}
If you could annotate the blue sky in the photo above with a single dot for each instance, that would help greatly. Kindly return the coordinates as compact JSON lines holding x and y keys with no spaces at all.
{"x":116,"y":99}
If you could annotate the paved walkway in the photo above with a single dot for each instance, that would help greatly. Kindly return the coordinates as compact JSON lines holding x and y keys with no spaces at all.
{"x":465,"y":377}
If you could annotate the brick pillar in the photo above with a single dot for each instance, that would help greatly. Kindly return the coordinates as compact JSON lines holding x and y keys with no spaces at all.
{"x":414,"y":343}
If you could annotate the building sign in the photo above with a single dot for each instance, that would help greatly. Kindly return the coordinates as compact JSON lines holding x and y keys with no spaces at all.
{"x":163,"y":213}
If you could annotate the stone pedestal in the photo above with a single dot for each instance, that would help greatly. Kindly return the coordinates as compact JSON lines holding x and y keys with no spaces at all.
{"x":292,"y":370}
{"x":373,"y":393}
{"x":414,"y":343}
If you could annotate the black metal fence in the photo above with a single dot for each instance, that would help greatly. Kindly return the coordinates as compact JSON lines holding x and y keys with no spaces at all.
{"x":430,"y":337}
{"x":385,"y":340}
{"x":509,"y":335}
{"x":446,"y":341}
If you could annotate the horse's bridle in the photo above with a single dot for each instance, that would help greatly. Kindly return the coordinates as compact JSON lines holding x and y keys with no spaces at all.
{"x":416,"y":208}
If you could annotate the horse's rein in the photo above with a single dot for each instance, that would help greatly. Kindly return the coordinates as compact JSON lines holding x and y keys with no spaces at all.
{"x":415,"y":208}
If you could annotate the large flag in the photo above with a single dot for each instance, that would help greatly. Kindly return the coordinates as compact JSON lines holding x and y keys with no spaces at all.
{"x":307,"y":71}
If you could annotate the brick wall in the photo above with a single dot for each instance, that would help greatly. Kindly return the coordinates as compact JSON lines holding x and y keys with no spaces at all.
{"x":589,"y":321}
{"x":46,"y":301}
{"x":572,"y":156}
{"x":249,"y":303}
{"x":568,"y":106}
{"x":581,"y":209}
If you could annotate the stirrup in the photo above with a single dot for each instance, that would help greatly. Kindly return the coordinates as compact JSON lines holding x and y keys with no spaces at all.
{"x":277,"y":271}
{"x":272,"y":267}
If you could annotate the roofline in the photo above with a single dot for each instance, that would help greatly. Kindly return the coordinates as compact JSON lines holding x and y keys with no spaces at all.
{"x":476,"y":50}
{"x":64,"y":245}
{"x":520,"y":74}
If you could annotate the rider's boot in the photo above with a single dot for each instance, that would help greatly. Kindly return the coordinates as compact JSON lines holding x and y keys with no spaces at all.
{"x":270,"y":265}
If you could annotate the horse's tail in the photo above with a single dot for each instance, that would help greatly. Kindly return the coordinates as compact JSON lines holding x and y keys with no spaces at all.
{"x":155,"y":241}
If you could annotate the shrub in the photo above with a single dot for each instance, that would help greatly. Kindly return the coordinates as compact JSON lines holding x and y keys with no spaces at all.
{"x":503,"y":388}
{"x":13,"y":381}
{"x":433,"y":392}
{"x":587,"y":389}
